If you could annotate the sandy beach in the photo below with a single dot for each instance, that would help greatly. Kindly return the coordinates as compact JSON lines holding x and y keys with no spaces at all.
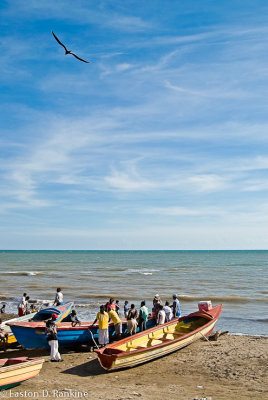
{"x":233,"y":367}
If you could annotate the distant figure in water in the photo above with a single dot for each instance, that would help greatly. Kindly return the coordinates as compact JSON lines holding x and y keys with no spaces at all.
{"x":103,"y":319}
{"x":59,"y":298}
{"x":3,"y":309}
{"x":74,"y":319}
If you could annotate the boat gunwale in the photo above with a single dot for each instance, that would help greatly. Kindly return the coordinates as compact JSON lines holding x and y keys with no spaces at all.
{"x":24,"y":362}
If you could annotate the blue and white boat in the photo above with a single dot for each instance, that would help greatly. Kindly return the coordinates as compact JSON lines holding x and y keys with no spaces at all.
{"x":32,"y":334}
{"x":23,"y":330}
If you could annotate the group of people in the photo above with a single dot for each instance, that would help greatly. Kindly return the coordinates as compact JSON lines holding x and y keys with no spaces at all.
{"x":24,"y":308}
{"x":110,"y":312}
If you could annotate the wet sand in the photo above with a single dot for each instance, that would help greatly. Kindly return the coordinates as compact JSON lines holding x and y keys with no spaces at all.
{"x":233,"y":367}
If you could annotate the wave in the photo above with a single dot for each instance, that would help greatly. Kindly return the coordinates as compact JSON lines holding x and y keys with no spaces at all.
{"x":248,"y":334}
{"x":23,"y":273}
{"x":106,"y":297}
{"x":224,"y":299}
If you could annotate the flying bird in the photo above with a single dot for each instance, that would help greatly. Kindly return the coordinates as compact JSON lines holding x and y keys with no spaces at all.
{"x":68,"y":51}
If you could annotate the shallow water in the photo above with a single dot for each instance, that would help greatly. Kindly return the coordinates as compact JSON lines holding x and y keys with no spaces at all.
{"x":238,"y":279}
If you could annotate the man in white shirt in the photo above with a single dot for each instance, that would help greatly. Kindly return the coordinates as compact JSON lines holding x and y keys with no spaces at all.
{"x":168,"y":311}
{"x":59,"y":298}
{"x":161,"y":316}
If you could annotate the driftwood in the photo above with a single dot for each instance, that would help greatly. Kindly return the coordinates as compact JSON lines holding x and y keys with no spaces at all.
{"x":214,"y":336}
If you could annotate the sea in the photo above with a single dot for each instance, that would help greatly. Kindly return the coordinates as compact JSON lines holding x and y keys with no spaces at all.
{"x":237,"y":279}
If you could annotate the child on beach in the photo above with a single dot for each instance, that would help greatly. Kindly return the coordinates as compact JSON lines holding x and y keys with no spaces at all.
{"x":3,"y":309}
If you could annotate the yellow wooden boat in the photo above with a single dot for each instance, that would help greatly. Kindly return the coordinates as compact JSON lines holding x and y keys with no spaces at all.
{"x":13,"y":371}
{"x":158,"y":341}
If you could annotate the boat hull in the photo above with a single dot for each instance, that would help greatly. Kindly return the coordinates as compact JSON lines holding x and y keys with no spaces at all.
{"x":13,"y":371}
{"x":112,"y":357}
{"x":32,"y":334}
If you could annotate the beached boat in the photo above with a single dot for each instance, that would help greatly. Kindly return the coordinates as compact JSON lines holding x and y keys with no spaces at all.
{"x":32,"y":334}
{"x":11,"y":338}
{"x":17,"y":325}
{"x":158,"y":341}
{"x":13,"y":371}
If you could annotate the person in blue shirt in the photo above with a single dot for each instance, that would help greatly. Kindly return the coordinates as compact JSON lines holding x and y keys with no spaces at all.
{"x":176,"y":306}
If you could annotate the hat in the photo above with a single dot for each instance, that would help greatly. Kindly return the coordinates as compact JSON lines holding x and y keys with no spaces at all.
{"x":54,"y":316}
{"x":175,"y":295}
{"x":74,"y":312}
{"x":157,"y":296}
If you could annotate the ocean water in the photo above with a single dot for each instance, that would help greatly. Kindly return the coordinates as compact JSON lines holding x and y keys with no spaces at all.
{"x":237,"y":279}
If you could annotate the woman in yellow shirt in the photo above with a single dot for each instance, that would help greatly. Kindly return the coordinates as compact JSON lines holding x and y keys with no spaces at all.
{"x":103,"y":319}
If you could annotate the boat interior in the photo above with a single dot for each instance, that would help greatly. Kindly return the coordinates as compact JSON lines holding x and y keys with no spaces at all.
{"x":5,"y":362}
{"x":164,"y":334}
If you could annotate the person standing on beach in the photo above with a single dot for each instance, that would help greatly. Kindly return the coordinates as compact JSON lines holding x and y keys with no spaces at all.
{"x":168,"y":311}
{"x":156,"y":304}
{"x":143,"y":316}
{"x":52,"y":338}
{"x":103,"y":320}
{"x":26,"y":305}
{"x":59,"y":298}
{"x":117,"y":323}
{"x":3,"y":309}
{"x":132,"y":320}
{"x":176,"y":306}
{"x":126,"y":309}
{"x":3,"y":336}
{"x":21,"y":306}
{"x":161,"y":316}
{"x":117,"y":307}
{"x":110,"y":305}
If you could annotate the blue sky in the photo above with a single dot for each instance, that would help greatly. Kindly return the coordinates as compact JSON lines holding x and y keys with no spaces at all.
{"x":159,"y":143}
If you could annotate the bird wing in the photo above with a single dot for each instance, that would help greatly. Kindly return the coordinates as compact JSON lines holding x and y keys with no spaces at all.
{"x":78,"y":58}
{"x":59,"y":41}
